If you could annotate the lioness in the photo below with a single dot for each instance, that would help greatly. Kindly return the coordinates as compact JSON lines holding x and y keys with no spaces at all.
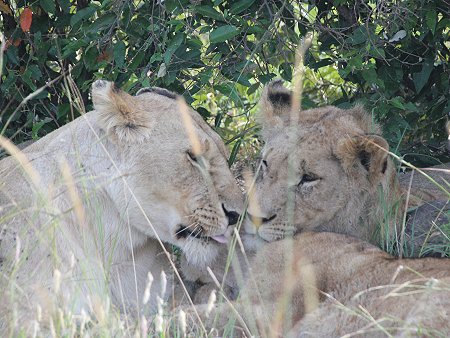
{"x":93,"y":198}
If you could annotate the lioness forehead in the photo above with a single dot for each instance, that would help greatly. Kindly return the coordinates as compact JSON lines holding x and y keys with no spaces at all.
{"x":168,"y":106}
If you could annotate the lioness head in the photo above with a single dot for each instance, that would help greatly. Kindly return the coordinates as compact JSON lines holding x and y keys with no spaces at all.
{"x":322,"y":174}
{"x":187,"y":196}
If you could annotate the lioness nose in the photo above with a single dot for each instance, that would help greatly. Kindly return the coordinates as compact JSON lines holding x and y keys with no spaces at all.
{"x":232,"y":216}
{"x":258,"y":220}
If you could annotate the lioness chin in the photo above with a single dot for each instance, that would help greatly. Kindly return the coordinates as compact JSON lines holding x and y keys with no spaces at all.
{"x":93,"y":199}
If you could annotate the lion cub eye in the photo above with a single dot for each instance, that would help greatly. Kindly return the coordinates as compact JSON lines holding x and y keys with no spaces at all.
{"x":260,"y":168}
{"x":306,"y":178}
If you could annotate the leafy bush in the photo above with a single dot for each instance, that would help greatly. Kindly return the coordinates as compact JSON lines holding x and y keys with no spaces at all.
{"x":391,"y":56}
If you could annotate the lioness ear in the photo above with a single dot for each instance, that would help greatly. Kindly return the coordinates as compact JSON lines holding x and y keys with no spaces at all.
{"x":274,"y":108}
{"x":364,"y":152}
{"x":118,"y":115}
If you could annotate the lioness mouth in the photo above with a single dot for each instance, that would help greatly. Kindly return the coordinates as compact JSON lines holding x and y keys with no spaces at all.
{"x":185,"y":232}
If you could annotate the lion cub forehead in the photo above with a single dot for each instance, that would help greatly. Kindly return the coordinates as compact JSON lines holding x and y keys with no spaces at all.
{"x":333,"y":119}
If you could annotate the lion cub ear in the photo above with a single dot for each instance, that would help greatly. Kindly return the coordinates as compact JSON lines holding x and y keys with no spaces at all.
{"x":118,"y":115}
{"x":274,"y":108}
{"x":364,"y":152}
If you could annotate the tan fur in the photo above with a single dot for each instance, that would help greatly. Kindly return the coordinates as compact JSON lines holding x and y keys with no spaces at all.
{"x":360,"y":288}
{"x":131,"y":169}
{"x":346,"y":157}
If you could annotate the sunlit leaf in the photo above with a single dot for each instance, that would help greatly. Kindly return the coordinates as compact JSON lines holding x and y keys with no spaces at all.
{"x":223,"y":33}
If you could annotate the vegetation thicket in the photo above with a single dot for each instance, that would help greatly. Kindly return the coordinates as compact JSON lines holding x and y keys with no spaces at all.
{"x":392,"y":56}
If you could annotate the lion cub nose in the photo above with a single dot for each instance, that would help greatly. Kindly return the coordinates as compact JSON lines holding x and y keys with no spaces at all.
{"x":232,"y":216}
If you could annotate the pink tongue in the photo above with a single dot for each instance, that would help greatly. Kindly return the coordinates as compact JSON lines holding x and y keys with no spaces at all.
{"x":220,"y":239}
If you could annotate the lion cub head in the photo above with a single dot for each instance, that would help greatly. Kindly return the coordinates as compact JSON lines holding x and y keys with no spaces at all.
{"x":187,"y":197}
{"x":324,"y":173}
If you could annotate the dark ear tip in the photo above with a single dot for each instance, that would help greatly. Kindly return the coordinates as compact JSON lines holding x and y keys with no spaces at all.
{"x":276,"y":83}
{"x":277,"y":94}
{"x":98,"y":84}
{"x":159,"y":91}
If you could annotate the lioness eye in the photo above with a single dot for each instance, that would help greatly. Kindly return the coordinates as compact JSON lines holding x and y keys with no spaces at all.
{"x":192,"y":156}
{"x":198,"y":161}
{"x":307,"y":178}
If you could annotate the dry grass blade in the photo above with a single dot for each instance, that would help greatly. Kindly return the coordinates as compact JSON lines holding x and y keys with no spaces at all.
{"x":189,"y":125}
{"x":402,"y":236}
{"x":73,"y":194}
{"x":22,"y":160}
{"x":299,"y":75}
{"x":2,"y":49}
{"x":238,"y":316}
{"x":308,"y":282}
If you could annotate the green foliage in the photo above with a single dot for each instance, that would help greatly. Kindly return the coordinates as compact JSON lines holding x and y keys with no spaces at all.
{"x":392,"y":56}
{"x":398,"y":59}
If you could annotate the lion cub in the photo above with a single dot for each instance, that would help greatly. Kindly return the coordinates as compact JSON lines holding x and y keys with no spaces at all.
{"x":324,"y":169}
{"x":322,"y":284}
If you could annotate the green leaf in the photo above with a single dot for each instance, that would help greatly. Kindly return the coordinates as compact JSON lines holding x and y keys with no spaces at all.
{"x":203,"y":112}
{"x":81,"y":15}
{"x":12,"y":55}
{"x":431,"y":20}
{"x":119,"y":54}
{"x":234,"y":152}
{"x":175,"y":5}
{"x":209,"y":12}
{"x":359,"y":36}
{"x":37,"y":126}
{"x":26,"y":77}
{"x":173,"y":46}
{"x":8,"y":82}
{"x":253,"y":88}
{"x":370,"y":75}
{"x":137,"y":59}
{"x":285,"y":70}
{"x":48,"y":6}
{"x":420,"y":79}
{"x":35,"y":72}
{"x":63,"y":110}
{"x":72,"y":47}
{"x":102,"y":22}
{"x":65,"y":5}
{"x":397,"y":102}
{"x":223,"y":33}
{"x":229,"y":90}
{"x":411,"y":106}
{"x":241,"y":6}
{"x":90,"y":58}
